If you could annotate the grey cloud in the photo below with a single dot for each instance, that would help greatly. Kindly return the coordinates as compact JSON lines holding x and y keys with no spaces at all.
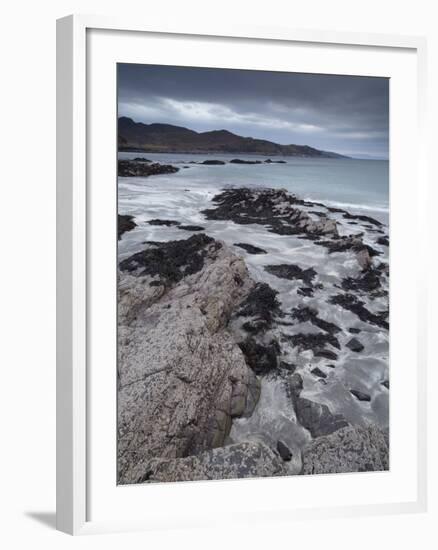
{"x":347,"y":114}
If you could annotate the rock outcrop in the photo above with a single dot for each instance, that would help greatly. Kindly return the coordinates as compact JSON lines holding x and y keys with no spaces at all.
{"x":250,"y":248}
{"x":275,"y":208}
{"x":352,"y":303}
{"x":124,"y":223}
{"x":347,"y":450}
{"x":248,"y":459}
{"x":315,"y":417}
{"x":143,"y":168}
{"x":181,"y":376}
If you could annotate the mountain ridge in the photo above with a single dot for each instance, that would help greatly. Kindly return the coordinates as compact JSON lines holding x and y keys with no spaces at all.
{"x":168,"y":138}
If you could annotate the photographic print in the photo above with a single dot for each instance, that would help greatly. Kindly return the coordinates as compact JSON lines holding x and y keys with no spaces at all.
{"x":253,"y":274}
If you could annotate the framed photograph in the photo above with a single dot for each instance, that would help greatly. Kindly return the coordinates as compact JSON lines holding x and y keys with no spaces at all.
{"x":240,"y":287}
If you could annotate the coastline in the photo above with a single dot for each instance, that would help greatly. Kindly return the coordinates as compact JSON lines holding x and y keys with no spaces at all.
{"x":295,"y":312}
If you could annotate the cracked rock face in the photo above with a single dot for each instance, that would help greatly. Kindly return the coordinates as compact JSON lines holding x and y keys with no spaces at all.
{"x":181,"y":376}
{"x":248,"y":459}
{"x":347,"y":450}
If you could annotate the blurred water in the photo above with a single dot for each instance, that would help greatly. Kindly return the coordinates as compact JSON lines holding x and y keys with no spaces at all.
{"x":347,"y":183}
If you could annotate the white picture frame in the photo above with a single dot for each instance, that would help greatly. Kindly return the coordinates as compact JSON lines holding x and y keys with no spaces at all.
{"x":74,"y":220}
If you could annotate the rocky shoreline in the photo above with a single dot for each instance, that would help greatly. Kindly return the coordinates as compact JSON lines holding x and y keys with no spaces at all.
{"x":144,"y":167}
{"x":199,"y":336}
{"x":141,"y":167}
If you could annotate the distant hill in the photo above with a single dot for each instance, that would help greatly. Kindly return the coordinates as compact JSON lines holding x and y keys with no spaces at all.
{"x":166,"y":138}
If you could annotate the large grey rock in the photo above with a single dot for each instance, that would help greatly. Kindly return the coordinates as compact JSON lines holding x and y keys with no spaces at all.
{"x":351,"y":449}
{"x":317,"y":418}
{"x":355,"y":345}
{"x":181,"y":377}
{"x":247,"y":459}
{"x":364,"y":259}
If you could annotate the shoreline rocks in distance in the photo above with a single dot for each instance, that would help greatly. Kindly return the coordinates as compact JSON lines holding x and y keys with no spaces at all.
{"x":142,"y":168}
{"x":241,"y":161}
{"x":217,"y":162}
{"x":213,"y":162}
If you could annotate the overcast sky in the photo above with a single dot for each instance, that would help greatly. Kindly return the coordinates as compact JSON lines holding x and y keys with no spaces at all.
{"x":345,"y":114}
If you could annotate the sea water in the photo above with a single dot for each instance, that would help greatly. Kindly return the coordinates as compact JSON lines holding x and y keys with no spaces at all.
{"x":346,"y":183}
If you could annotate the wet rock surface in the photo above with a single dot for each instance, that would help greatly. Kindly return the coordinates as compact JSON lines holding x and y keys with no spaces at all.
{"x":290,"y":271}
{"x":305,"y":313}
{"x":315,"y":417}
{"x":167,"y":223}
{"x":172,"y":260}
{"x":315,"y":341}
{"x":363,"y":252}
{"x":261,"y":306}
{"x":368,"y":282}
{"x":354,"y":304}
{"x":355,"y":345}
{"x":262,"y":358}
{"x":124,"y":223}
{"x":318,"y":372}
{"x":360,"y":395}
{"x":274,"y":208}
{"x":384,"y":241}
{"x":191,"y":227}
{"x":251,"y":249}
{"x":284,"y":451}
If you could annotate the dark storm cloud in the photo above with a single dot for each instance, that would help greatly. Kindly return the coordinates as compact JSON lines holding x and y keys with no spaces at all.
{"x":346,"y":114}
